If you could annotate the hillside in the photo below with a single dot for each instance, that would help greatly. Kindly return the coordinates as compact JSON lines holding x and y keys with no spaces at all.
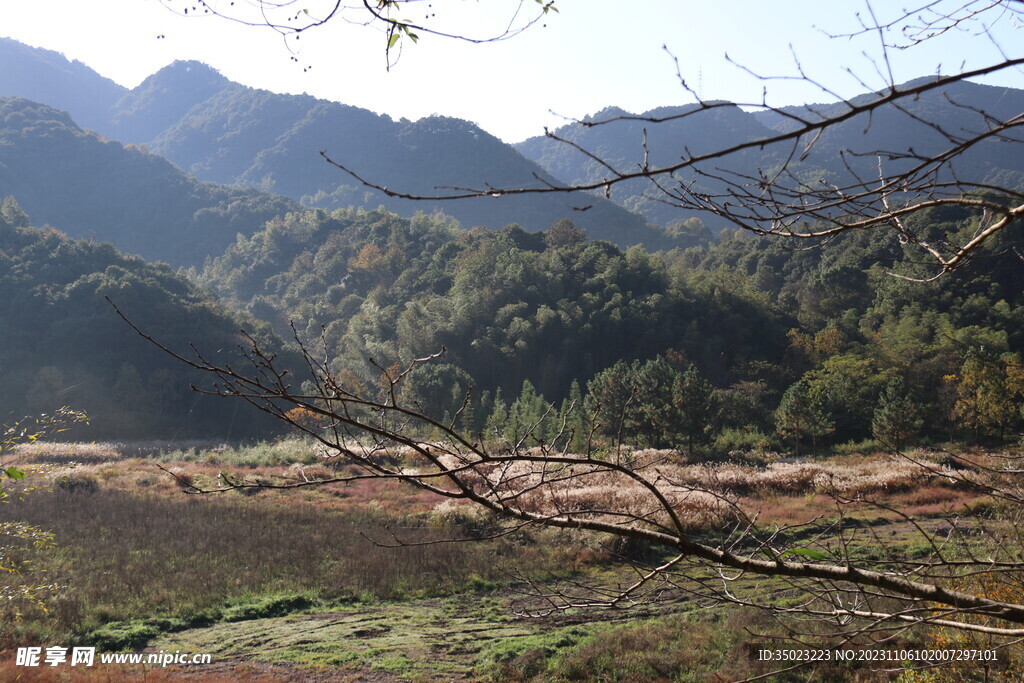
{"x":754,"y":317}
{"x":94,"y":188}
{"x":620,"y":144}
{"x":960,"y":110}
{"x":256,"y":138}
{"x":48,"y":76}
{"x":61,"y":343}
{"x":690,"y":131}
{"x":508,"y":305}
{"x":227,"y":133}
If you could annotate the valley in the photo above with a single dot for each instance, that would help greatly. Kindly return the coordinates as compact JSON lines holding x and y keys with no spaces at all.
{"x":664,"y":392}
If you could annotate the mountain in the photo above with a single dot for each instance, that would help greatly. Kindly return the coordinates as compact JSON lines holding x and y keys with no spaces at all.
{"x":162,"y":99}
{"x":507,"y":305}
{"x":47,"y":76}
{"x":61,"y":343}
{"x":224,"y":132}
{"x":255,"y":138}
{"x":93,"y":188}
{"x":227,"y":133}
{"x":959,"y":109}
{"x":688,"y":130}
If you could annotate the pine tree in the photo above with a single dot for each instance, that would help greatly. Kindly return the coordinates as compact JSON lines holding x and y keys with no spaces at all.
{"x":574,"y":416}
{"x":897,"y":417}
{"x":526,"y":416}
{"x":799,"y":417}
{"x":692,"y":397}
{"x":498,"y":419}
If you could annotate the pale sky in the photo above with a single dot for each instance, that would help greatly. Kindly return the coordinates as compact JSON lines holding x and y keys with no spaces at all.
{"x":590,"y":55}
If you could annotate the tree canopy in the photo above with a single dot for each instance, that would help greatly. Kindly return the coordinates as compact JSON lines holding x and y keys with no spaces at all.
{"x":61,"y":343}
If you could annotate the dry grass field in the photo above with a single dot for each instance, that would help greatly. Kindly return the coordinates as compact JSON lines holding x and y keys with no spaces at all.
{"x":297,"y":584}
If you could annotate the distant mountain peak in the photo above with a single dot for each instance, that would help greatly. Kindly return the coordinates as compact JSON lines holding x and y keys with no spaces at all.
{"x":163,"y":98}
{"x":188,"y":69}
{"x":606,"y":113}
{"x":46,"y":76}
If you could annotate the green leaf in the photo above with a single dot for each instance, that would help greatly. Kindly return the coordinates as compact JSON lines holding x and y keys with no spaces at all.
{"x":805,"y":552}
{"x":14,"y":473}
{"x":393,"y":40}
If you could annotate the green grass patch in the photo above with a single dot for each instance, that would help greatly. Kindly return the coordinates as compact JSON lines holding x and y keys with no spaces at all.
{"x":265,"y":607}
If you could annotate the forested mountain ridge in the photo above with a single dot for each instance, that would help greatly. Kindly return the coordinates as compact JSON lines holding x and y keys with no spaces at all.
{"x":555,"y":311}
{"x":61,"y":342}
{"x":161,"y":100}
{"x":89,"y":187}
{"x":228,"y":133}
{"x":952,"y":110}
{"x":809,"y":346}
{"x":508,"y":305}
{"x":896,"y":132}
{"x":256,"y":138}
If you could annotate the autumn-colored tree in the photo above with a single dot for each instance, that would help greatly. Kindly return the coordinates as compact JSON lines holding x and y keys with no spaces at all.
{"x":305,"y":418}
{"x":989,"y":392}
{"x":372,"y":266}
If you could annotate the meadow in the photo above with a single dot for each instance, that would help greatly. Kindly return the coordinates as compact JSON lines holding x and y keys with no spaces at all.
{"x":361,"y":580}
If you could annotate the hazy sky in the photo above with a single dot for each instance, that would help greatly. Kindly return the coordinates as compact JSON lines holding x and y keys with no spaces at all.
{"x":592,"y":54}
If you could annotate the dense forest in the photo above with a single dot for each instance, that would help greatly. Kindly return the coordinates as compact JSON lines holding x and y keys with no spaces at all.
{"x":62,"y":344}
{"x":94,"y":188}
{"x":779,"y":347}
{"x":746,"y":343}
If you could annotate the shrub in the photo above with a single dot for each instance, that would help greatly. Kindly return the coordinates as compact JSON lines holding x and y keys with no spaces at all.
{"x":748,"y":444}
{"x":865,"y":447}
{"x":77,"y":483}
{"x":732,"y":438}
{"x":471,"y":520}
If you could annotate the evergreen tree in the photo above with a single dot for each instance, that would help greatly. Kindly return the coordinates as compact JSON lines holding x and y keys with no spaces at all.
{"x":897,"y":417}
{"x":573,"y":418}
{"x":11,"y":214}
{"x":498,"y":419}
{"x":655,"y":402}
{"x":799,"y":417}
{"x":563,"y":233}
{"x":693,"y":400}
{"x":611,"y":398}
{"x":526,"y":416}
{"x":633,"y":402}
